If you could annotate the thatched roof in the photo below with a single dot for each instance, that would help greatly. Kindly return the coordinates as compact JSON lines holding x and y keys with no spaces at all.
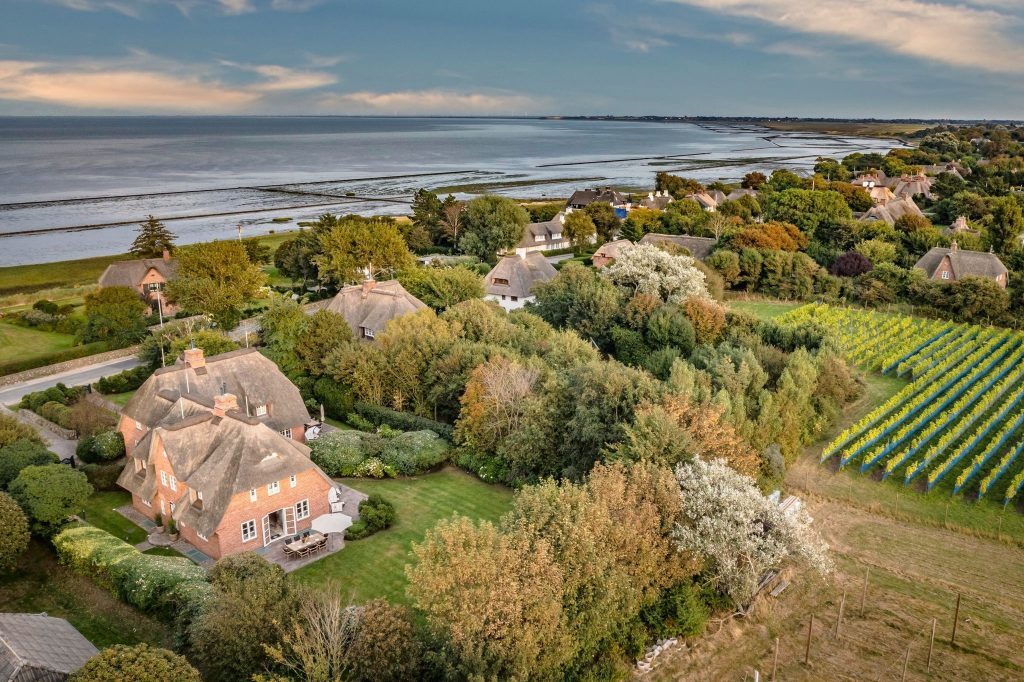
{"x":246,"y":373}
{"x":699,"y":247}
{"x":129,"y":273}
{"x":517,"y":275}
{"x":613,"y":249}
{"x":546,"y":231}
{"x":738,"y":194}
{"x":656,"y":200}
{"x":913,"y":185}
{"x":893,"y":210}
{"x":35,"y":647}
{"x":371,"y":305}
{"x":964,"y":263}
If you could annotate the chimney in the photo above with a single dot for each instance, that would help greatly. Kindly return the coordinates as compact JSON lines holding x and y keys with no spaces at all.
{"x":954,"y":247}
{"x":651,"y":195}
{"x":194,"y":358}
{"x":224,"y":403}
{"x":167,"y":256}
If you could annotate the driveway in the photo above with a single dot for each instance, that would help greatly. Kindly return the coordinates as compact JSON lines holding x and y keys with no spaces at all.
{"x":9,"y":395}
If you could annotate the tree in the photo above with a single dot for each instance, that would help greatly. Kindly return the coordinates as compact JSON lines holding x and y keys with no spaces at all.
{"x":427,"y":211}
{"x":325,"y":332}
{"x":441,"y":287}
{"x":140,"y":663}
{"x":580,"y":299}
{"x":256,"y":250}
{"x":807,"y":209}
{"x":640,"y":221}
{"x":216,"y":278}
{"x":15,"y":536}
{"x":579,"y":229}
{"x":753,"y":180}
{"x":492,"y":224}
{"x":282,"y":324}
{"x":114,"y":314}
{"x":877,"y":251}
{"x":676,"y":186}
{"x":354,"y":245}
{"x":649,"y":270}
{"x":707,"y":317}
{"x":851,"y":264}
{"x":978,"y":299}
{"x":49,"y":494}
{"x":770,"y":235}
{"x":153,"y":239}
{"x":294,"y":257}
{"x":20,"y":454}
{"x":831,"y":169}
{"x":316,"y":647}
{"x":783,"y":179}
{"x":739,"y":532}
{"x":911,"y":223}
{"x":727,"y":263}
{"x":606,"y":221}
{"x":451,"y":218}
{"x":1006,"y":226}
{"x":385,"y":647}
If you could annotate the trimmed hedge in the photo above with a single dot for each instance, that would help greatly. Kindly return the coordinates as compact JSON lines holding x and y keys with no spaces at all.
{"x":154,"y":584}
{"x":378,"y":455}
{"x":103,"y":476}
{"x":57,"y":413}
{"x":15,"y":366}
{"x":60,"y":393}
{"x":122,"y":382}
{"x":403,"y":421}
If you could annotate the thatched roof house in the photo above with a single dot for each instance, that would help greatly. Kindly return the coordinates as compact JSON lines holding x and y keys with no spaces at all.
{"x":699,"y":247}
{"x":954,"y":263}
{"x":545,"y":236}
{"x":909,"y":186}
{"x":369,"y":306}
{"x":893,"y":210}
{"x":510,"y":283}
{"x":657,"y":200}
{"x":147,"y":276}
{"x":609,"y":251}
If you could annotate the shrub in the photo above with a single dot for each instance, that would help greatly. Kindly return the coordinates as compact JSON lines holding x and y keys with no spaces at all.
{"x":414,"y":452}
{"x":20,"y":454}
{"x":58,"y":394}
{"x":140,"y":663}
{"x":403,"y":421}
{"x":336,"y":398}
{"x":56,"y":412}
{"x":12,"y":431}
{"x":375,"y":514}
{"x":707,"y":317}
{"x":88,"y":419}
{"x":357,"y":531}
{"x":104,"y":447}
{"x":338,"y":453}
{"x":49,"y":494}
{"x":122,"y":382}
{"x":15,"y":536}
{"x":103,"y":476}
{"x":851,"y":264}
{"x":359,"y":422}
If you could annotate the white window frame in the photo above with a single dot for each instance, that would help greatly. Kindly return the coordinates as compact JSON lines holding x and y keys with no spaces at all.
{"x":252,"y":494}
{"x":145,"y":502}
{"x":945,"y":274}
{"x":292,"y":481}
{"x":138,"y":426}
{"x":368,"y":333}
{"x":274,"y":488}
{"x":246,"y":537}
{"x":163,"y":478}
{"x":261,"y":410}
{"x":302,"y":509}
{"x":202,"y":537}
{"x":174,"y":483}
{"x":287,"y":433}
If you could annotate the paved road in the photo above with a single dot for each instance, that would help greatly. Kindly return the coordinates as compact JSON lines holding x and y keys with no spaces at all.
{"x":12,"y":394}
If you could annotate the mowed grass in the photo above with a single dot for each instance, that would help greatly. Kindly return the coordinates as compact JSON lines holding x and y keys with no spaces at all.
{"x":120,"y":398}
{"x":21,"y":343}
{"x":765,"y":310}
{"x":375,"y":567}
{"x":40,"y":584}
{"x":100,"y":512}
{"x":69,"y":273}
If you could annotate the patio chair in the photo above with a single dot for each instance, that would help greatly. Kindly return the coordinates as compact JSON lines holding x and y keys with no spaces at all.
{"x":289,"y":553}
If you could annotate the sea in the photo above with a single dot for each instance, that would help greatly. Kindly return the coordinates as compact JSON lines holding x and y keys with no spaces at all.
{"x":75,"y":187}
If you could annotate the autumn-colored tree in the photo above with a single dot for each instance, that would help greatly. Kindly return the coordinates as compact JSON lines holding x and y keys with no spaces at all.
{"x":216,"y":279}
{"x":770,"y":235}
{"x":494,"y":404}
{"x":579,"y":229}
{"x":707,"y":317}
{"x":354,"y":245}
{"x":912,"y":223}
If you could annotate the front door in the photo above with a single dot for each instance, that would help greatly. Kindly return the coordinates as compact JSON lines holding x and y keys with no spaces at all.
{"x":266,"y":530}
{"x":288,"y":516}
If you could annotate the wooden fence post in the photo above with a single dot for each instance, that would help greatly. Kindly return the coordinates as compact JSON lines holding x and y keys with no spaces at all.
{"x":906,"y":662}
{"x":807,"y":650}
{"x":775,"y":662}
{"x":956,"y":619}
{"x":864,"y":594}
{"x":931,"y":644}
{"x":839,"y":620}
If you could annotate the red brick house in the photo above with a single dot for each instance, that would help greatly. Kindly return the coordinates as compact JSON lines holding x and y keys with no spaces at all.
{"x":148,"y":276}
{"x":954,"y":263}
{"x":263,"y":392}
{"x":230,"y":482}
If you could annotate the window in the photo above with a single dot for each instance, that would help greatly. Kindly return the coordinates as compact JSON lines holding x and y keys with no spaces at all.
{"x":302,"y":509}
{"x":172,"y":507}
{"x":556,"y":236}
{"x":202,"y":537}
{"x":292,"y":480}
{"x":261,"y":410}
{"x":146,"y":502}
{"x":174,"y":483}
{"x":249,"y":530}
{"x":163,"y":478}
{"x":139,"y":427}
{"x":945,"y":274}
{"x":367,"y":333}
{"x":287,"y":433}
{"x":515,"y":298}
{"x":252,"y":494}
{"x":499,"y":280}
{"x":274,"y":488}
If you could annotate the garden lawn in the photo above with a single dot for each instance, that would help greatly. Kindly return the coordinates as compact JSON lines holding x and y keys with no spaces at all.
{"x":22,"y":343}
{"x":765,"y":310}
{"x":120,"y":398}
{"x":40,"y":584}
{"x":375,"y":567}
{"x":100,"y":512}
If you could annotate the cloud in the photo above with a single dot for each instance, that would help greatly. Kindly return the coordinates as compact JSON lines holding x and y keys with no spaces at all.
{"x":136,"y":8}
{"x":236,"y":6}
{"x":282,"y":78}
{"x":961,"y":35}
{"x":435,"y":101}
{"x":792,"y":49}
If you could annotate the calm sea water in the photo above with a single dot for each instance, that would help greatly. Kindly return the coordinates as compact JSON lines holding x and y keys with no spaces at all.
{"x":206,"y":175}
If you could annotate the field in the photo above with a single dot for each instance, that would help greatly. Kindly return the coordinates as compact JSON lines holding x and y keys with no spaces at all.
{"x":856,"y":128}
{"x":22,"y":343}
{"x":375,"y":567}
{"x":100,"y":512}
{"x":765,"y":310}
{"x":919,"y":551}
{"x":956,"y":428}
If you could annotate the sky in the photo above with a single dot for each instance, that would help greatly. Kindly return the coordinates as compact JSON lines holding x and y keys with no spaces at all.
{"x":840,"y":58}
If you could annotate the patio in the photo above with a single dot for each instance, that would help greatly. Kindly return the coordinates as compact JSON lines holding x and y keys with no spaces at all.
{"x":275,"y":553}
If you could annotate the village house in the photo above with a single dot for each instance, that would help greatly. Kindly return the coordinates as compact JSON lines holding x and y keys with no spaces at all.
{"x":880,"y":194}
{"x":875,"y":178}
{"x":368,"y":307}
{"x":148,"y":276}
{"x":35,"y":647}
{"x":698,"y":247}
{"x":708,"y":200}
{"x":228,"y":481}
{"x":953,"y":264}
{"x":510,"y":283}
{"x":961,"y":226}
{"x":909,"y":186}
{"x":738,"y":194}
{"x":264,"y":393}
{"x":581,"y":198}
{"x":546,"y":236}
{"x":955,"y":169}
{"x":609,"y":251}
{"x":892,"y":210}
{"x":658,"y":200}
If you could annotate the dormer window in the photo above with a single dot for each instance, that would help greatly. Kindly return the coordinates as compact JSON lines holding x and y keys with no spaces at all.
{"x":499,"y":280}
{"x":538,"y":237}
{"x":556,"y":236}
{"x":368,"y":332}
{"x":261,"y":410}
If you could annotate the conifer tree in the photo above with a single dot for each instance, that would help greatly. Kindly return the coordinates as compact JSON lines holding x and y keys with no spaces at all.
{"x":152,"y":239}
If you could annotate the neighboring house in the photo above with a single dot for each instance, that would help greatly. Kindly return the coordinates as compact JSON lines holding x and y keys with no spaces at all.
{"x":148,"y":276}
{"x":956,"y":169}
{"x":35,"y":647}
{"x":875,"y":178}
{"x":657,"y":200}
{"x":880,"y":195}
{"x":609,"y":251}
{"x":892,"y":210}
{"x":738,"y":194}
{"x":546,"y":236}
{"x":909,"y":186}
{"x":953,"y":264}
{"x":582,"y":197}
{"x":511,"y":281}
{"x":369,"y":306}
{"x":961,"y":226}
{"x":708,"y":200}
{"x":699,"y":247}
{"x":229,"y":481}
{"x":264,"y":393}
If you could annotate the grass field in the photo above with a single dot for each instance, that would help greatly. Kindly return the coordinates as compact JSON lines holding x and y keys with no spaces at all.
{"x":21,"y":343}
{"x":40,"y":584}
{"x":765,"y":310}
{"x":857,"y":128}
{"x":100,"y":512}
{"x":375,"y":567}
{"x":120,"y":398}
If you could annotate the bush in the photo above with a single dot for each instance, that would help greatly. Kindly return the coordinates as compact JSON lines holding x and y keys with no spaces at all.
{"x":12,"y":431}
{"x":336,"y":398}
{"x":414,"y":452}
{"x":89,"y":419}
{"x":122,"y":382}
{"x":104,"y":447}
{"x":57,"y":413}
{"x":55,"y":394}
{"x":375,"y":514}
{"x":402,"y":421}
{"x":49,"y":494}
{"x":376,"y":455}
{"x":148,"y":582}
{"x":15,"y":536}
{"x":140,"y":663}
{"x":103,"y":476}
{"x":338,"y":453}
{"x":20,"y":454}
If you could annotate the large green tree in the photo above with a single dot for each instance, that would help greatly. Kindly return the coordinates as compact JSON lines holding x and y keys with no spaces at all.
{"x":325,"y":333}
{"x":579,"y":229}
{"x":606,"y":221}
{"x":218,"y":279}
{"x":353,"y":245}
{"x":807,"y":209}
{"x":492,"y":224}
{"x":114,"y":314}
{"x":1006,"y":226}
{"x":580,"y":299}
{"x":294,"y":257}
{"x":440,"y":287}
{"x":20,"y":454}
{"x":152,"y":240}
{"x":49,"y":494}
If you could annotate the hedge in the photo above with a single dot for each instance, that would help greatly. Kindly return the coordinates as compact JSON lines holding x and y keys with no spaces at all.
{"x":15,"y":366}
{"x":375,"y":513}
{"x":107,"y":446}
{"x":122,"y":382}
{"x":57,"y":413}
{"x":103,"y":476}
{"x":54,"y":394}
{"x":154,"y":584}
{"x":403,"y":421}
{"x":372,"y":455}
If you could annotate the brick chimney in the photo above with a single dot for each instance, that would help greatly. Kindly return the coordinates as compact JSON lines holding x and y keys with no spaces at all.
{"x":167,"y":256}
{"x":224,"y":403}
{"x":954,"y":247}
{"x":194,"y":358}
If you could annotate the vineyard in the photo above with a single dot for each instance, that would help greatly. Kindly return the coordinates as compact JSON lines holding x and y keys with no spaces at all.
{"x":957,"y":426}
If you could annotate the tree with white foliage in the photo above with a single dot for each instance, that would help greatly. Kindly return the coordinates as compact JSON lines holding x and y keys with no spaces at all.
{"x":739,"y":531}
{"x":646,"y":269}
